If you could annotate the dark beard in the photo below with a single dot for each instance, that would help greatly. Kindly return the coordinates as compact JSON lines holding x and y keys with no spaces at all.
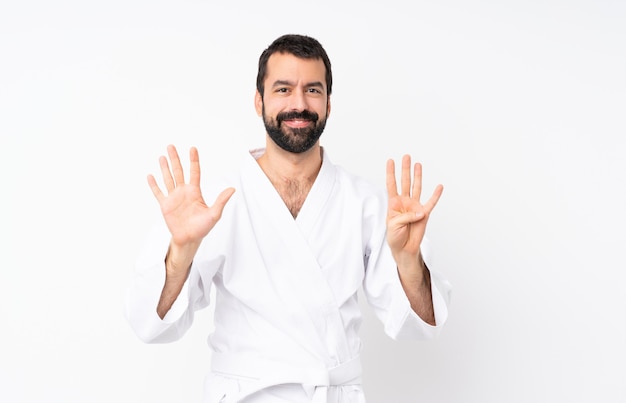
{"x":294,"y":140}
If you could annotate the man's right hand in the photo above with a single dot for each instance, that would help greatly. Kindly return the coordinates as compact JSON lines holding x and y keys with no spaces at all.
{"x":188,"y":218}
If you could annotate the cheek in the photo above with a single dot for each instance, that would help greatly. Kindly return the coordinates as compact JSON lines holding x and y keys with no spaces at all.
{"x":272,"y":108}
{"x":323,"y":109}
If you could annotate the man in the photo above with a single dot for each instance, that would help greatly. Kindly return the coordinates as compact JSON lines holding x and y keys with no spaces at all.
{"x":287,"y":245}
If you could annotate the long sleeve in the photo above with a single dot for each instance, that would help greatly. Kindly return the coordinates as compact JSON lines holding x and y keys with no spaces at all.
{"x":145,"y":290}
{"x":385,"y":294}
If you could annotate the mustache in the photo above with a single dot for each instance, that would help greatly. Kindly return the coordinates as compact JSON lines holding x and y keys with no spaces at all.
{"x":291,"y":115}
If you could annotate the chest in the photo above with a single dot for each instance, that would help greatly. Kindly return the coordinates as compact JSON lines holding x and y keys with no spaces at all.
{"x":293,"y":193}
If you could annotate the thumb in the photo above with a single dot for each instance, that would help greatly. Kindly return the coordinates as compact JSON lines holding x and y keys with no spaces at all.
{"x":406,"y":218}
{"x":223,"y":198}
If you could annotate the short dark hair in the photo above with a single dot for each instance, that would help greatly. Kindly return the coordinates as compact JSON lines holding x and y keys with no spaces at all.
{"x":300,"y":46}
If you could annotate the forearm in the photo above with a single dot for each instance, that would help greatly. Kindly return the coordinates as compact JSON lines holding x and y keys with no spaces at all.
{"x":415,"y":280}
{"x":177,"y":265}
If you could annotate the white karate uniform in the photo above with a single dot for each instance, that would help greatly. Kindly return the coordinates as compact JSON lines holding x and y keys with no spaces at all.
{"x":286,"y":313}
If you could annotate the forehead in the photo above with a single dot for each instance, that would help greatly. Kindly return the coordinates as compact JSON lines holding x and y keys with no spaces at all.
{"x":285,"y":66}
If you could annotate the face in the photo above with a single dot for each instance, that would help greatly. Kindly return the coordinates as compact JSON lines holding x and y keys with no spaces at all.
{"x":295,"y":104}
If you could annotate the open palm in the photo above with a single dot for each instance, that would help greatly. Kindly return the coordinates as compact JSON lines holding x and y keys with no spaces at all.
{"x":406,"y":215}
{"x":188,"y":218}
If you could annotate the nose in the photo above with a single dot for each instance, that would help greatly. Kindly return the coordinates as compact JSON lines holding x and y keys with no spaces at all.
{"x":297,"y":101}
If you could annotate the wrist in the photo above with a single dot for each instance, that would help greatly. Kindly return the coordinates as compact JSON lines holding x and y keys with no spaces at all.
{"x":412,"y":269}
{"x":178,"y":260}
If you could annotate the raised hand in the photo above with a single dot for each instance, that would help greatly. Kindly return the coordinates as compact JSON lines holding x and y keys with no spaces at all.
{"x":186,"y":214}
{"x":406,"y":215}
{"x":188,"y":218}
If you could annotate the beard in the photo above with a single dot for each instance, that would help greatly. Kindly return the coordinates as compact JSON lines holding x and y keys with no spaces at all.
{"x":296,"y":140}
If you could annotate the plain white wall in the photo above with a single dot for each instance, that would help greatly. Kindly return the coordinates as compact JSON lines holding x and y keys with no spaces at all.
{"x":517,"y":107}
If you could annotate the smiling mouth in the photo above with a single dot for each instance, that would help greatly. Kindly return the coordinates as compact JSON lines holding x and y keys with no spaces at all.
{"x":296,"y":123}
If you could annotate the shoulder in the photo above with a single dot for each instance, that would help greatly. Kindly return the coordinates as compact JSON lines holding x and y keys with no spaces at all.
{"x":350,"y":181}
{"x":359,"y":185}
{"x":218,"y":178}
{"x":360,"y":194}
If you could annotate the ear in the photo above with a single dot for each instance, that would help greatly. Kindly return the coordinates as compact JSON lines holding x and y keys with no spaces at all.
{"x":258,"y":103}
{"x":328,"y":107}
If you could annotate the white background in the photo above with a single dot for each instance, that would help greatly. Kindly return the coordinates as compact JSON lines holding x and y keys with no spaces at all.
{"x":517,"y":107}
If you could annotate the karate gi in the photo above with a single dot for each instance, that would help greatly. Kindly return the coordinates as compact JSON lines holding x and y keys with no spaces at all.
{"x":286,"y":309}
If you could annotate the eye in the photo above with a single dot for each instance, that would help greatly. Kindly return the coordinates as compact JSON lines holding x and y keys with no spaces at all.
{"x":314,"y":90}
{"x":282,"y":90}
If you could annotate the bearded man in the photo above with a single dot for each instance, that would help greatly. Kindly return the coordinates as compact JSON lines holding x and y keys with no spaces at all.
{"x":287,"y":244}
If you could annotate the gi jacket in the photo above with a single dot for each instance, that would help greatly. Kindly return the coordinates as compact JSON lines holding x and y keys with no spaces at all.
{"x":286,"y":308}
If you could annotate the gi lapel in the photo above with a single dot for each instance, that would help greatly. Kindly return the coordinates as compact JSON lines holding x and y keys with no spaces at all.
{"x":319,"y":195}
{"x":288,"y":259}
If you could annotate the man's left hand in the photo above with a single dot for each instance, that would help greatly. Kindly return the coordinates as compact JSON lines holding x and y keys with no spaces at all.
{"x":406,"y":215}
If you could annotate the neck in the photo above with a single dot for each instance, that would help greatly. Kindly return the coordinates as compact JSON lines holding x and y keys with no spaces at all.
{"x":291,"y":174}
{"x":281,"y":165}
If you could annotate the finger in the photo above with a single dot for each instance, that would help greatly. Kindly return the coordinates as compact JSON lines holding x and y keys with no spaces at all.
{"x":392,"y":188}
{"x":406,"y":175}
{"x":417,"y":181}
{"x":177,"y":168}
{"x":194,"y":166}
{"x":221,"y":201}
{"x":432,"y":202}
{"x":223,"y":197}
{"x":167,"y":174}
{"x":405,"y":219}
{"x":156,"y":191}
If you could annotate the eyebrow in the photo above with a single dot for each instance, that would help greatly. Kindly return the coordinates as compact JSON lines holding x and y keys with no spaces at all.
{"x":278,"y":83}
